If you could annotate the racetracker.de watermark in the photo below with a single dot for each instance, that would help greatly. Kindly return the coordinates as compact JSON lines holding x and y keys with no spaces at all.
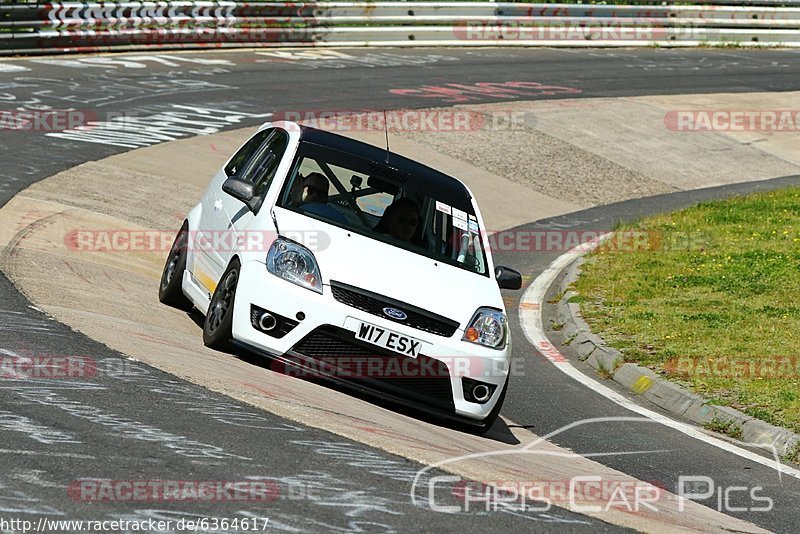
{"x":103,"y":490}
{"x":46,"y":366}
{"x":571,"y":31}
{"x":251,"y":489}
{"x":137,"y":240}
{"x":620,"y":241}
{"x":45,"y":120}
{"x":733,"y":120}
{"x":379,"y":366}
{"x":783,"y":367}
{"x":410,"y":120}
{"x":25,"y":364}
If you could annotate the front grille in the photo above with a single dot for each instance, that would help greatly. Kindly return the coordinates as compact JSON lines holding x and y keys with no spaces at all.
{"x":374,"y":304}
{"x":423,"y":379}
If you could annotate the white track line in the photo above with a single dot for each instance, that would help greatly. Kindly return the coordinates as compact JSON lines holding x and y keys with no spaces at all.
{"x":53,"y":454}
{"x":530,"y":316}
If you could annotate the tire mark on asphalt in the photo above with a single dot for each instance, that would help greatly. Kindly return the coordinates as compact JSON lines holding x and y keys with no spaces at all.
{"x":129,"y":428}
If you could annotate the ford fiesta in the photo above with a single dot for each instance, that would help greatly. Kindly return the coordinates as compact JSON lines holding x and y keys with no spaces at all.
{"x":346,"y":261}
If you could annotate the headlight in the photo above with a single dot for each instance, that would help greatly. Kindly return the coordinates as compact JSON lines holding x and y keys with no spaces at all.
{"x":294,"y":263}
{"x":488,"y":327}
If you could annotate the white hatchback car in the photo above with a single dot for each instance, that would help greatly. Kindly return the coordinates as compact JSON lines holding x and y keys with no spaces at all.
{"x":346,"y":261}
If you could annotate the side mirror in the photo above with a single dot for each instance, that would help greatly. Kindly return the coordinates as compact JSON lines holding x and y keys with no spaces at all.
{"x":507,"y":278}
{"x":240,"y":189}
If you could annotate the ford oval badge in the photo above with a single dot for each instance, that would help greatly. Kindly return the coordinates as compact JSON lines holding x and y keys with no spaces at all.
{"x":394,"y":313}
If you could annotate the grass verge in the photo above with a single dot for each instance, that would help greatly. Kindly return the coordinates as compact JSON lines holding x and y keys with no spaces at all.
{"x":708,"y":297}
{"x":794,"y":454}
{"x":724,"y":426}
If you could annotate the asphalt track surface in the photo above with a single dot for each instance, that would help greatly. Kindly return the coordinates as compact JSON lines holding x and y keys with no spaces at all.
{"x":203,"y":436}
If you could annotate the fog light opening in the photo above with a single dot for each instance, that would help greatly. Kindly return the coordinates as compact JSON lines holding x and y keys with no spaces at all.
{"x":481,"y":393}
{"x":267,"y":322}
{"x":477,"y":391}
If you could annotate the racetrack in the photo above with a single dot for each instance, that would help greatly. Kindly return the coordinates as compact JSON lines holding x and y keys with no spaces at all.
{"x":110,"y":296}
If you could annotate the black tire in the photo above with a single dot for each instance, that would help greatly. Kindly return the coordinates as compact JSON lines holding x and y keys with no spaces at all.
{"x":488,"y":423}
{"x":219,"y":317}
{"x":169,"y":290}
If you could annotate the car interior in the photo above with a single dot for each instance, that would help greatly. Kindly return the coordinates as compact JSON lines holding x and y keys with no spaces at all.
{"x":362,"y":198}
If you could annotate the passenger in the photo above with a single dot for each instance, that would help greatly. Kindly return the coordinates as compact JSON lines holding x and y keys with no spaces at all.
{"x":311,"y":194}
{"x":401,"y":221}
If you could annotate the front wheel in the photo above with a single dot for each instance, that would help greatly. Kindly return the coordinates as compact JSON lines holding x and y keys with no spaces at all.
{"x":169,"y":290}
{"x":217,"y":328}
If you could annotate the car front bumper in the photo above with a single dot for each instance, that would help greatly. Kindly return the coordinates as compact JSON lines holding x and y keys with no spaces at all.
{"x":322,"y":343}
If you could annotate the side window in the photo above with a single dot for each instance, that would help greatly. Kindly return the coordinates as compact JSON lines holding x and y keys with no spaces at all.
{"x":259,"y":158}
{"x":239,"y":160}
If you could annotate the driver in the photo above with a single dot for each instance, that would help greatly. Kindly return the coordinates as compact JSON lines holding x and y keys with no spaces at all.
{"x":310,"y":193}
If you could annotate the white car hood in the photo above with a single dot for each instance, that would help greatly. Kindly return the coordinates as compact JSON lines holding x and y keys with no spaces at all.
{"x":347,"y":257}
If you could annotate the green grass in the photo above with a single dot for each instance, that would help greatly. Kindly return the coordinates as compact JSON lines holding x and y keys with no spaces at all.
{"x":724,"y":426}
{"x":794,"y":454}
{"x":712,"y":301}
{"x":604,"y":371}
{"x":557,"y":297}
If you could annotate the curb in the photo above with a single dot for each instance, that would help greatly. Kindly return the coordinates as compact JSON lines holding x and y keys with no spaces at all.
{"x":649,"y":385}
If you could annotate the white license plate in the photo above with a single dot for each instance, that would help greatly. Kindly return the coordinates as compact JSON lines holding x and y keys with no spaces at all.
{"x":382,"y":337}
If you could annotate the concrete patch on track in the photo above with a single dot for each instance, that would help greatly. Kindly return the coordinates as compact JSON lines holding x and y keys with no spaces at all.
{"x":544,"y":162}
{"x":603,"y":150}
{"x":111,"y":297}
{"x":769,"y":122}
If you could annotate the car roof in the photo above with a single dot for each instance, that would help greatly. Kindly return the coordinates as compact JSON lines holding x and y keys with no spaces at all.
{"x":445,"y":185}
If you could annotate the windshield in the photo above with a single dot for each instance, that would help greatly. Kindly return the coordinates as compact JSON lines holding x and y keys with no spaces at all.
{"x":435,"y":220}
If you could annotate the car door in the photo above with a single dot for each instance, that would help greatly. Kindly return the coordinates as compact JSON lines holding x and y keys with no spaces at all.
{"x":259,"y":167}
{"x":208,"y":262}
{"x":214,"y":236}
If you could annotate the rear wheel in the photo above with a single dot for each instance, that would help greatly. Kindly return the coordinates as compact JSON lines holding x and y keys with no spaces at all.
{"x":217,"y":328}
{"x":169,"y":290}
